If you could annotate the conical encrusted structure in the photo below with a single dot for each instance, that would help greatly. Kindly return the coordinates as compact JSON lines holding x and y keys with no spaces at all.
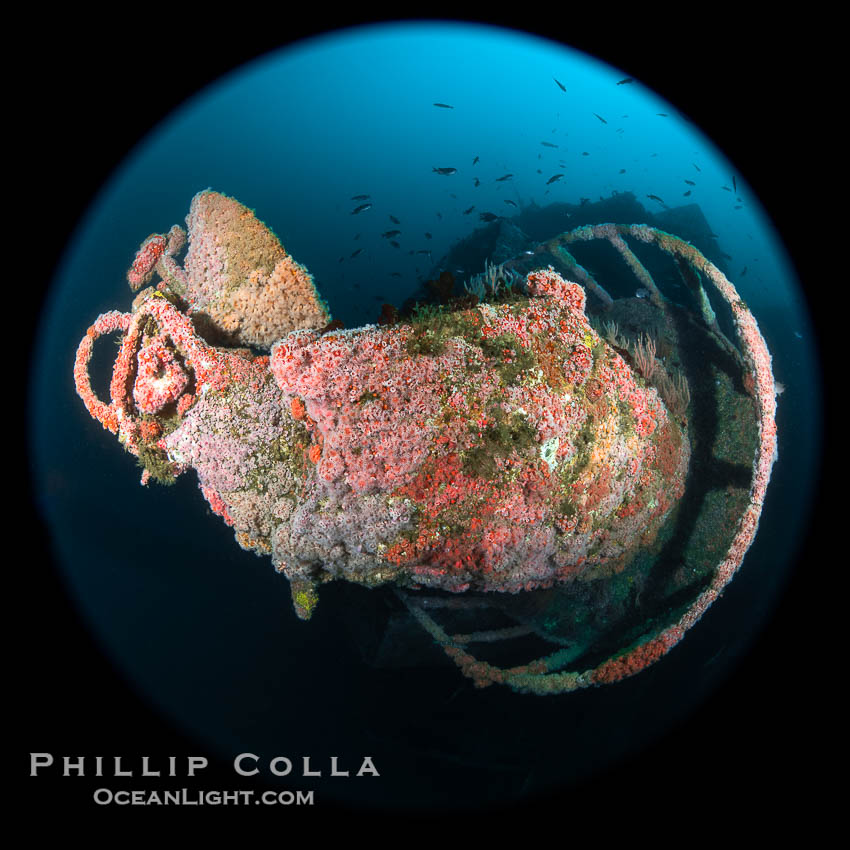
{"x":239,"y":275}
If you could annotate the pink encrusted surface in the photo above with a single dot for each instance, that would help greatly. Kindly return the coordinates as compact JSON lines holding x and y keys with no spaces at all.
{"x":345,"y":455}
{"x":402,"y":429}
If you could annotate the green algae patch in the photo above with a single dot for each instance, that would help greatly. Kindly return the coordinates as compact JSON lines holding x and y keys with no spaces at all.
{"x":511,"y":358}
{"x":505,"y":437}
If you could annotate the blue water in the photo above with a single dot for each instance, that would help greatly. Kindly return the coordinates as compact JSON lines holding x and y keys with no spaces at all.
{"x":201,"y":628}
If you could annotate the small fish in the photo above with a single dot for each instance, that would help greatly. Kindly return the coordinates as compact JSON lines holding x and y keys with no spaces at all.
{"x":356,"y":236}
{"x":445,"y":171}
{"x":528,"y":253}
{"x":642,"y":293}
{"x":440,"y":216}
{"x":553,"y":178}
{"x":798,"y":334}
{"x":395,"y":244}
{"x":360,"y":197}
{"x":361,"y":208}
{"x":662,"y":115}
{"x":487,"y":216}
{"x":503,"y":178}
{"x":585,"y":153}
{"x":539,"y":171}
{"x":655,"y":198}
{"x":340,"y":259}
{"x":622,"y":171}
{"x":394,"y":220}
{"x":685,"y":194}
{"x":696,"y":166}
{"x":725,"y":255}
{"x":548,"y":145}
{"x":726,"y":188}
{"x":737,"y":207}
{"x":443,"y":106}
{"x":390,"y":233}
{"x":424,"y":251}
{"x":624,"y":82}
{"x":477,"y":182}
{"x":467,"y":212}
{"x":690,"y":182}
{"x":428,"y":236}
{"x":511,"y":203}
{"x":356,"y":253}
{"x":734,"y":184}
{"x":476,"y":161}
{"x":583,"y":201}
{"x":743,"y":271}
{"x":395,"y":274}
{"x":561,"y":86}
{"x":600,"y":118}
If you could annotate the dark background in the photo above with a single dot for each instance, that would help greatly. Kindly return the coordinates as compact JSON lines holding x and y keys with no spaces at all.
{"x":83,"y":93}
